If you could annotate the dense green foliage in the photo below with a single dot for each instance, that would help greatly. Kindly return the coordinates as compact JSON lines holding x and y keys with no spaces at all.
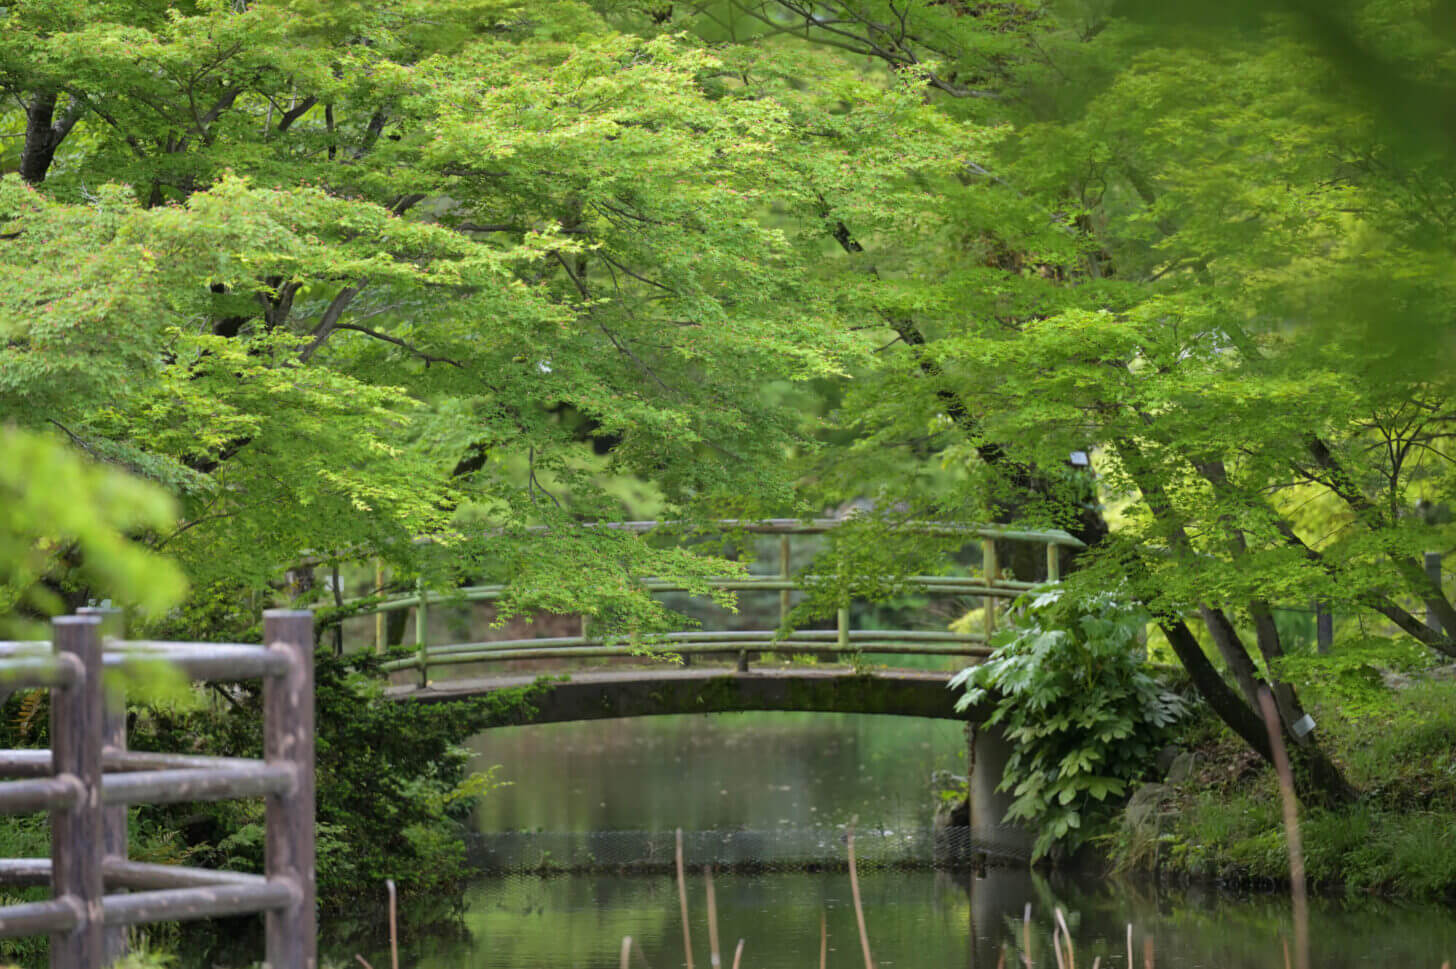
{"x":272,"y":262}
{"x":1068,"y":688}
{"x":342,"y":276}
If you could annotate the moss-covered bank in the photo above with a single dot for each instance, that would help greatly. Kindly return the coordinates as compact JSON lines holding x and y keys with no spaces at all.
{"x":1217,"y":815}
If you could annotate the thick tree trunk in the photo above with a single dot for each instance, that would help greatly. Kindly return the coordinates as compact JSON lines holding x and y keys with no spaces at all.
{"x":1233,"y":711}
{"x":40,"y":143}
{"x":1317,"y":780}
{"x":44,"y":134}
{"x":1235,"y":656}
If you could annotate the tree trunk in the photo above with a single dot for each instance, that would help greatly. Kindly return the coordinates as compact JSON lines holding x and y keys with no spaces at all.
{"x":44,"y":134}
{"x":1317,"y":780}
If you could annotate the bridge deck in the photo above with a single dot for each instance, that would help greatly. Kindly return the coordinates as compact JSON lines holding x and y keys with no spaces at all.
{"x":617,"y":692}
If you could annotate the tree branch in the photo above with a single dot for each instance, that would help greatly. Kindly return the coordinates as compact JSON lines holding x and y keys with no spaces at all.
{"x":330,"y":318}
{"x":427,"y":357}
{"x":297,"y":111}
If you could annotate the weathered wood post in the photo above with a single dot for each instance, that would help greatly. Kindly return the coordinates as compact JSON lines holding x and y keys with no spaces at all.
{"x":989,"y":569}
{"x":113,"y":737}
{"x":1433,"y":572}
{"x":783,"y":574}
{"x":422,"y":635}
{"x":288,"y":738}
{"x":76,"y":831}
{"x":379,"y":631}
{"x":1324,"y":626}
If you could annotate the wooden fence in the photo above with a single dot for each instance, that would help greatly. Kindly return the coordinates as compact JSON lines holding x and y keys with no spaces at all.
{"x":88,"y":777}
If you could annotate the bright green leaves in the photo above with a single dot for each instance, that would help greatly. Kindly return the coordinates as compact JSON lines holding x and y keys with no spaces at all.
{"x":384,"y":268}
{"x":56,"y":505}
{"x":116,"y":354}
{"x":61,"y":307}
{"x":1068,"y":688}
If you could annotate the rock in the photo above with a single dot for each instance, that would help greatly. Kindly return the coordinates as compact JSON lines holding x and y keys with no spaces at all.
{"x":1401,"y":681}
{"x":1143,"y":807}
{"x":1393,"y":680}
{"x":952,"y":806}
{"x":1166,"y":757}
{"x":1182,"y":767}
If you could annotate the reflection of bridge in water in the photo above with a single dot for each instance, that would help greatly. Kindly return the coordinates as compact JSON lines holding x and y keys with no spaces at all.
{"x":724,"y":670}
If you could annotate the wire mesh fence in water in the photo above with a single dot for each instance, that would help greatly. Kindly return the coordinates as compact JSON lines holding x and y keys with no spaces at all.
{"x":775,"y":849}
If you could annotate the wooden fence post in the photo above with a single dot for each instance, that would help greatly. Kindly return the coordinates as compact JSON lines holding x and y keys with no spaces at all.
{"x":76,"y":831}
{"x":1433,"y":572}
{"x":1324,"y":626}
{"x":113,"y":736}
{"x":288,"y":738}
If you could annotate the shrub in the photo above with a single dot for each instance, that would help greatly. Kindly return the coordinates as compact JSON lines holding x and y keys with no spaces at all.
{"x":1069,"y":688}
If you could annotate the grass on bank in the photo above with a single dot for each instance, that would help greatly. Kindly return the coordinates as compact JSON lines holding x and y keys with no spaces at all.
{"x":1396,"y":745}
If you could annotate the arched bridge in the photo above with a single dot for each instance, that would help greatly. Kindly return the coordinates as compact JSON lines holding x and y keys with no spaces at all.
{"x":838,"y":670}
{"x":656,"y":691}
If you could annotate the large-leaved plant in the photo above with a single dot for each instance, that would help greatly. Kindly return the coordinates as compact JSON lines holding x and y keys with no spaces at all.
{"x":1069,"y":687}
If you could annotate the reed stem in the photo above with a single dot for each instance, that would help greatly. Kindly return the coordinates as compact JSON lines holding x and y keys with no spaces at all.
{"x":1297,"y":889}
{"x":864,"y":935}
{"x":682,"y":898}
{"x":714,"y":954}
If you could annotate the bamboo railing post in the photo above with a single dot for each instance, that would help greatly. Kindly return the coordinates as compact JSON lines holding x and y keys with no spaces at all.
{"x":113,"y":736}
{"x":378,"y":616}
{"x":288,"y":736}
{"x":1054,"y":562}
{"x":783,"y":574}
{"x":76,"y":831}
{"x":422,"y":632}
{"x":990,"y":570}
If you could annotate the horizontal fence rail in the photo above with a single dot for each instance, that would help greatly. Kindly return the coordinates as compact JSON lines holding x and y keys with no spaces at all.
{"x":991,"y":586}
{"x":88,"y":777}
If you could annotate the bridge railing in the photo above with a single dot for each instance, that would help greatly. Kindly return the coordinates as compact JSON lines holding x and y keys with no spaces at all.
{"x":88,"y":777}
{"x":990,"y":585}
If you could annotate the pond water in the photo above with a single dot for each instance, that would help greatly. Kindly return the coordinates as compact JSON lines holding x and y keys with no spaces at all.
{"x":720,"y":771}
{"x":780,"y":777}
{"x":915,"y":920}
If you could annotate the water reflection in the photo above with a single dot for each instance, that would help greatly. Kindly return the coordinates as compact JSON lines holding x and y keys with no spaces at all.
{"x":782,"y":772}
{"x":916,"y":919}
{"x":742,"y":770}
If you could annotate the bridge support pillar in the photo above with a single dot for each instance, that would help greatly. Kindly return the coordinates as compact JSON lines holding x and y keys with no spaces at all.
{"x":987,"y":751}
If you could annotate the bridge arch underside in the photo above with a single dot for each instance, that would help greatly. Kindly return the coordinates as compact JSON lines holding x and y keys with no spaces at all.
{"x":622,"y":694}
